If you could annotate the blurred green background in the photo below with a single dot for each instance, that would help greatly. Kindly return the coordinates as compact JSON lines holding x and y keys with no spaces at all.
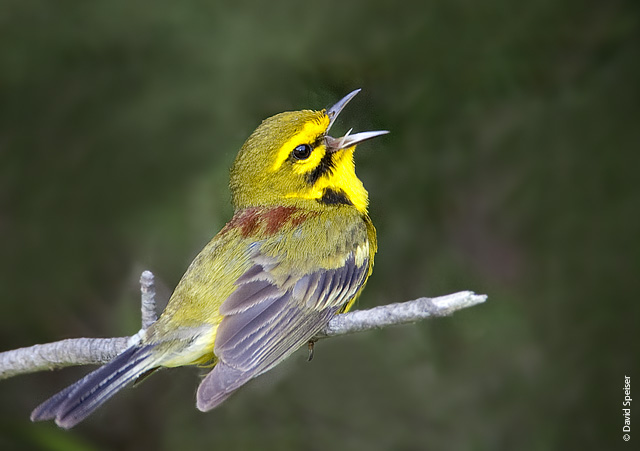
{"x":511,"y":170}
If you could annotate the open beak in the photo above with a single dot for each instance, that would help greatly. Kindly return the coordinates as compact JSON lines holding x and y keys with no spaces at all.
{"x":348,"y":140}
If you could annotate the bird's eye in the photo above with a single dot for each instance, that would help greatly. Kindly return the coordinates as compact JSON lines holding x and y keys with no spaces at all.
{"x":302,"y":152}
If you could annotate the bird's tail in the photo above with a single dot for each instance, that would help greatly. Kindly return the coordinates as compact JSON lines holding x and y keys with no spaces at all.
{"x":76,"y":402}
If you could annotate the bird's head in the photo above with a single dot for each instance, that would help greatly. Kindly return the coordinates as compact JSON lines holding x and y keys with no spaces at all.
{"x":291,"y":159}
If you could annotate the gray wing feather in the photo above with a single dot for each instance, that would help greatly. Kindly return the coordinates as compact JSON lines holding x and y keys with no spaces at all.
{"x":265,"y":322}
{"x":249,"y":296}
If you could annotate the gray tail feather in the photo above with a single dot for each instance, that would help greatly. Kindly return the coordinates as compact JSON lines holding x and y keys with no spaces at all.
{"x":76,"y":402}
{"x":219,"y":384}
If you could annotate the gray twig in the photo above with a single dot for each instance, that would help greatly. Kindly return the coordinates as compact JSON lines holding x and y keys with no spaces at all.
{"x":400,"y":313}
{"x":59,"y":354}
{"x":148,"y":296}
{"x":87,"y":351}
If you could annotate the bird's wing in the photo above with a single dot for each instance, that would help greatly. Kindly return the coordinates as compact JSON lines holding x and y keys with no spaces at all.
{"x":264,"y":322}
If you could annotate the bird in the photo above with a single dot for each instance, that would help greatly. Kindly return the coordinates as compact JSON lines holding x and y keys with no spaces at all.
{"x":298,"y":250}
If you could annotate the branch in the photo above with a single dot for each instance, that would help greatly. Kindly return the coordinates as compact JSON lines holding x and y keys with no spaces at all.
{"x":87,"y":351}
{"x":399,"y":313}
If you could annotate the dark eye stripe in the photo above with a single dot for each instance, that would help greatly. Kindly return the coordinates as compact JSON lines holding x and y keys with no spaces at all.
{"x":319,"y":140}
{"x":325,"y":166}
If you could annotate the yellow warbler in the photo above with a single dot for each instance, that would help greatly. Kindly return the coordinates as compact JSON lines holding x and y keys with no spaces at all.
{"x":298,"y":250}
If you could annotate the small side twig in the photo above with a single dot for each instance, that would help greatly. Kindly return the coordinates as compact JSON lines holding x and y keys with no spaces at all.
{"x":148,"y":296}
{"x":87,"y":351}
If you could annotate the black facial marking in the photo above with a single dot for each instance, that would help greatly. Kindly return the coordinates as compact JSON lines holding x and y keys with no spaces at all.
{"x":325,"y":166}
{"x":334,"y":197}
{"x":318,"y":141}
